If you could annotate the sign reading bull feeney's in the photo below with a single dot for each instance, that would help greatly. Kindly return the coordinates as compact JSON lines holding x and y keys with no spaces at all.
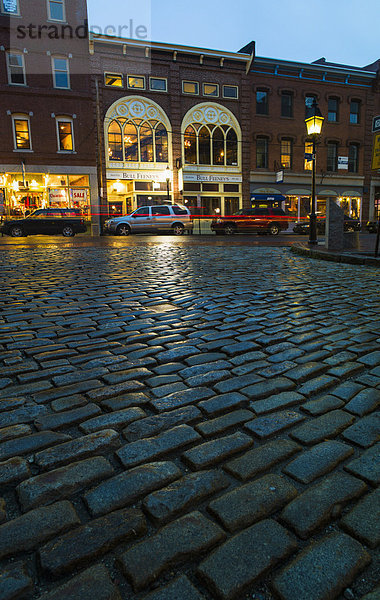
{"x":376,"y":152}
{"x":376,"y":124}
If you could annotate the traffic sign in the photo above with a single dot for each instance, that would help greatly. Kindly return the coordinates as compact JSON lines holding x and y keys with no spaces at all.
{"x":376,"y":124}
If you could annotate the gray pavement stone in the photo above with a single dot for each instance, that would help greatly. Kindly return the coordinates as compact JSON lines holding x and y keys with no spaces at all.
{"x":321,"y":459}
{"x":41,"y":397}
{"x":363,"y":521}
{"x":66,"y":418}
{"x":31,"y":443}
{"x":221,"y":424}
{"x":180,"y":540}
{"x":63,"y":482}
{"x":171,"y":501}
{"x":36,"y":526}
{"x":125,"y":401}
{"x":14,"y":431}
{"x":319,"y":504}
{"x":181,"y":398}
{"x":318,"y":385}
{"x":222,"y":403}
{"x":215,"y":451}
{"x":347,"y":390}
{"x":76,"y":548}
{"x":24,"y":414}
{"x":260,"y":459}
{"x":364,"y":432}
{"x":273,"y":403}
{"x":15,"y":582}
{"x":246,"y":559}
{"x":316,"y":574}
{"x":127,"y":487}
{"x":109,"y":391}
{"x":268,"y":425}
{"x":364,"y":402}
{"x":180,"y":588}
{"x":252,"y":502}
{"x":79,"y":448}
{"x":322,"y":405}
{"x":13,"y":470}
{"x":367,"y":466}
{"x":93,"y":584}
{"x":148,"y":449}
{"x":113,"y":420}
{"x":374,"y":595}
{"x":326,"y":426}
{"x":268,"y":387}
{"x":154,"y":424}
{"x":68,"y":403}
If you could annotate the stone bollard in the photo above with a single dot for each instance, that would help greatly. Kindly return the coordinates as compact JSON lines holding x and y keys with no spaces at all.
{"x":334,"y":233}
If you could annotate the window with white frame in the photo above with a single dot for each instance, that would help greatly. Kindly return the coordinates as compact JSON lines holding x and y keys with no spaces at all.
{"x":56,"y":10}
{"x":134,"y":140}
{"x":211,"y":89}
{"x":210,"y":145}
{"x":65,"y":134}
{"x":136,"y":82}
{"x":61,"y":75}
{"x":158,"y":84}
{"x":113,"y":79}
{"x":10,"y":7}
{"x":16,"y":68}
{"x":190,"y":87}
{"x":21,"y":132}
{"x":231,"y":91}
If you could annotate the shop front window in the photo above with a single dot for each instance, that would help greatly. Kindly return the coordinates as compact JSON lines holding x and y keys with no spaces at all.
{"x":231,"y":206}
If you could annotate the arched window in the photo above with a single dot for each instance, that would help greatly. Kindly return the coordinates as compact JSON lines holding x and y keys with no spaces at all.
{"x":146,"y":143}
{"x":204,"y":144}
{"x":232,"y":148}
{"x":161,"y":143}
{"x":115,"y":145}
{"x":218,"y":147}
{"x":218,"y":150}
{"x":131,"y":147}
{"x":190,"y":142}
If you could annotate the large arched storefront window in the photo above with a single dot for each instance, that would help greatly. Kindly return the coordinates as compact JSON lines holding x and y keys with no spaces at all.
{"x":137,"y":141}
{"x":208,"y":145}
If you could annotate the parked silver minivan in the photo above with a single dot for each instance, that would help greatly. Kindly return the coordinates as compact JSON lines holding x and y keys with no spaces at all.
{"x":152,"y":219}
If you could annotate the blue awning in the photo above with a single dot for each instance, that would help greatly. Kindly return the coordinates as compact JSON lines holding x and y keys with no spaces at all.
{"x":267,"y":198}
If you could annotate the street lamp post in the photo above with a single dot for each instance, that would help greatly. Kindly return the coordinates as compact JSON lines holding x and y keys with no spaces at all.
{"x":168,"y":183}
{"x":314,"y":122}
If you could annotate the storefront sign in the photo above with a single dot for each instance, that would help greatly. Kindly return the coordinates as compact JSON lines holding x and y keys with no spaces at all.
{"x":138,"y":175}
{"x":57,"y":196}
{"x":200,"y":177}
{"x":376,"y":124}
{"x":280,"y":177}
{"x":376,"y":152}
{"x":79,"y":195}
{"x":343,"y":162}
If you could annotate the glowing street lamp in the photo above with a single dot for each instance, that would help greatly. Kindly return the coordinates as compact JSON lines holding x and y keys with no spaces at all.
{"x":314,"y":121}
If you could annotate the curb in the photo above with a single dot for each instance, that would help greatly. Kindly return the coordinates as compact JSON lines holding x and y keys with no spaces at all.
{"x":350,"y":259}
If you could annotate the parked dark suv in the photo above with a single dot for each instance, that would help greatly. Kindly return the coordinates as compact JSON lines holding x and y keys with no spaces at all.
{"x":252,"y":220}
{"x":47,"y":221}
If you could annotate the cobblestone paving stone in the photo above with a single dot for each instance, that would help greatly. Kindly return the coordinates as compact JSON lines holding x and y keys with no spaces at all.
{"x":188,"y":423}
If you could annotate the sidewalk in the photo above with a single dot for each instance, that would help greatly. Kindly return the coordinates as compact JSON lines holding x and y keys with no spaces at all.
{"x":363,"y":255}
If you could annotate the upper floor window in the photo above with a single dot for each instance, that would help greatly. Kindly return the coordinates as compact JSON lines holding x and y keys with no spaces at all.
{"x":56,"y":10}
{"x":65,"y":134}
{"x":261,"y":102}
{"x":158,"y":84}
{"x":262,"y":153}
{"x":10,"y":7}
{"x":113,"y":79}
{"x":16,"y":68}
{"x":61,"y":74}
{"x":286,"y":153}
{"x":211,"y":89}
{"x":333,"y":106}
{"x":210,"y":145}
{"x":353,"y":158}
{"x":190,"y":87}
{"x":21,"y":132}
{"x":136,"y":83}
{"x":286,"y":104}
{"x":137,"y":141}
{"x":230,"y":91}
{"x":332,"y":156}
{"x":309,"y":101}
{"x":355,"y":112}
{"x":308,"y":165}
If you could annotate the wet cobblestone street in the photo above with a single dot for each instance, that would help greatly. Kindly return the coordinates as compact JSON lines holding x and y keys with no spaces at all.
{"x":188,"y":422}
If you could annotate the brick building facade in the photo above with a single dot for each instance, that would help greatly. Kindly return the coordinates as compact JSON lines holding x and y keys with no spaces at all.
{"x":46,"y":125}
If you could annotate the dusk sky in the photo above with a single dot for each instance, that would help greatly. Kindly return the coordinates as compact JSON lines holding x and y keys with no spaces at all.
{"x":343,"y":31}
